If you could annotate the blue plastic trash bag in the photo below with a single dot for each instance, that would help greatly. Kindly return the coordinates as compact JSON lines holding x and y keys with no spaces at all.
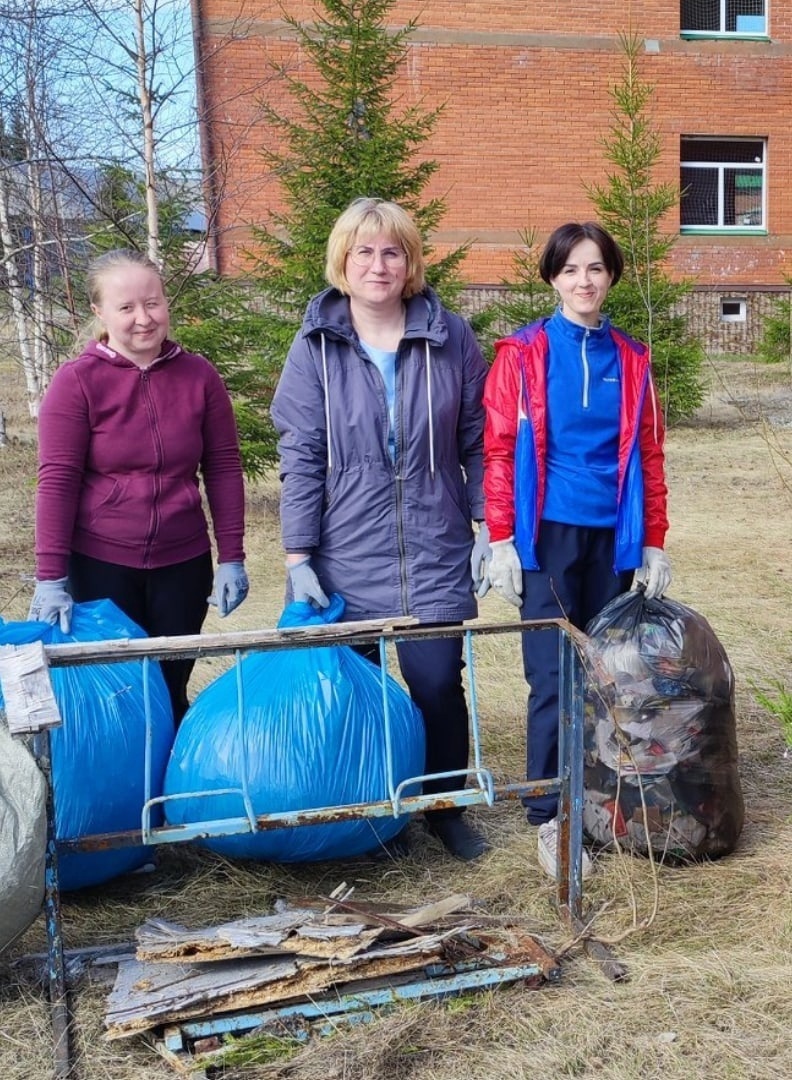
{"x":312,"y":735}
{"x":98,"y":754}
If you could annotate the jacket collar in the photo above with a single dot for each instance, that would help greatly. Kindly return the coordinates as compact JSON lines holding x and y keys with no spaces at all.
{"x":328,"y":313}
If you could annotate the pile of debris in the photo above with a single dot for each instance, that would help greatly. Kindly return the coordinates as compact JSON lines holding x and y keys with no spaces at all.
{"x":289,"y":972}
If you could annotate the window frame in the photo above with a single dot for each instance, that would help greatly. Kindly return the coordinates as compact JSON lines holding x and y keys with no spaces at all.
{"x":720,"y":32}
{"x":739,"y":228}
{"x":740,"y":316}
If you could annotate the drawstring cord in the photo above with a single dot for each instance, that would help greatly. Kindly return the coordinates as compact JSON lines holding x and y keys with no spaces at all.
{"x":431,"y":411}
{"x":327,"y":406}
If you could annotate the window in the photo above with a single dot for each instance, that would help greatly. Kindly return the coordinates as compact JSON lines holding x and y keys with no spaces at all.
{"x":733,"y":309}
{"x":709,"y":17}
{"x":722,"y":183}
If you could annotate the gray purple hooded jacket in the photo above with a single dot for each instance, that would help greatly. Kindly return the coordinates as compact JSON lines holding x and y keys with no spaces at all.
{"x":392,"y":537}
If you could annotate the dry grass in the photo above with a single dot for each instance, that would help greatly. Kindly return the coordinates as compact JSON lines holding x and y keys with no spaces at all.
{"x":708,"y":994}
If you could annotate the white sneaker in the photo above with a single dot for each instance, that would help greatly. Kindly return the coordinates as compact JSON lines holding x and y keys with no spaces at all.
{"x":547,"y":848}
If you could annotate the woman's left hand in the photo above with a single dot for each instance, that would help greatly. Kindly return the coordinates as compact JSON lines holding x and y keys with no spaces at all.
{"x":655,"y":572}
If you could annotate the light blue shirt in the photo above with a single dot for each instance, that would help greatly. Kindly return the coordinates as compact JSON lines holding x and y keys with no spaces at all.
{"x":385,"y":363}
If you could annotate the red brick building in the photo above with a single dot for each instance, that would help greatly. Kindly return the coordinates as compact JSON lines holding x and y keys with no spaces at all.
{"x":527,"y":104}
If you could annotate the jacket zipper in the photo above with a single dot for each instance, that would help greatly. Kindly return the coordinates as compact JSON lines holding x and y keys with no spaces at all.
{"x":397,"y":425}
{"x":155,"y":512}
{"x":586,"y":370}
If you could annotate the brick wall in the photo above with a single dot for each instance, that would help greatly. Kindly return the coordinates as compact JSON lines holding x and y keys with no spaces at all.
{"x":525,"y":90}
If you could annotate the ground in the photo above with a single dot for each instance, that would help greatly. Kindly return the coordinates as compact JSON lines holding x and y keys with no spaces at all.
{"x":707,"y":947}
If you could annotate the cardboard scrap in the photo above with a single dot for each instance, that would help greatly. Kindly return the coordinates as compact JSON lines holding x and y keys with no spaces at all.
{"x":298,"y":954}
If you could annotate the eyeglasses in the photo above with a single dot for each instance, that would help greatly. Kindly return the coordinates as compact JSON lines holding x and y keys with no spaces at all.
{"x":364,"y":256}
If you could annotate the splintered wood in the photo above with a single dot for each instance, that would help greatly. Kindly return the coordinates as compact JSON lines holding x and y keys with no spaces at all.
{"x":302,"y":952}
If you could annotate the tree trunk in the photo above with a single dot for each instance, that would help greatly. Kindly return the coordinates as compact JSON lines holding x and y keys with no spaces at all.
{"x":16,"y":294}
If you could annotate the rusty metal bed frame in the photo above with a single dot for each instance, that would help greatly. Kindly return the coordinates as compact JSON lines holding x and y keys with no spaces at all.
{"x":477,"y":784}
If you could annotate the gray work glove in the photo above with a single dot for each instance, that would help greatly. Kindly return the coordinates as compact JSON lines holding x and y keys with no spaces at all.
{"x":479,"y":561}
{"x":230,"y":587}
{"x":505,"y":571}
{"x":305,"y":584}
{"x":655,"y":572}
{"x":52,"y":603}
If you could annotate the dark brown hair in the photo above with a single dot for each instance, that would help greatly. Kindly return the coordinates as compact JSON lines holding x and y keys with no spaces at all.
{"x":561,"y":241}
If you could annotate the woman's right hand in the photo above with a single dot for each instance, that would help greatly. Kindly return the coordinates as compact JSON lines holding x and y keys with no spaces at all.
{"x":52,"y":603}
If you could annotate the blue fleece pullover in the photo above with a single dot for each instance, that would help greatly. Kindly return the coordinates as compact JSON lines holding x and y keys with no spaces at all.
{"x":583,"y":409}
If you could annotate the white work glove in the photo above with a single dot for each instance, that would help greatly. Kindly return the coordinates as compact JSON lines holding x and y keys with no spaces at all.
{"x":52,"y":603}
{"x":655,"y":572}
{"x":230,"y":587}
{"x":505,"y":571}
{"x":305,"y":584}
{"x":479,"y":561}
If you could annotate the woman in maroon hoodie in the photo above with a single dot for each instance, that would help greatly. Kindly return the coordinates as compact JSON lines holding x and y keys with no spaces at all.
{"x":125,"y":430}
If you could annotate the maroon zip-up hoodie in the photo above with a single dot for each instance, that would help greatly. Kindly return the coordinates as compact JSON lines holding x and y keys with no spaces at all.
{"x":120,"y":453}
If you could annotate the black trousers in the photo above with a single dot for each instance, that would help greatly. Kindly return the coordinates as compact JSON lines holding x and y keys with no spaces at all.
{"x":432,"y":670}
{"x":575,"y":582}
{"x":168,"y":601}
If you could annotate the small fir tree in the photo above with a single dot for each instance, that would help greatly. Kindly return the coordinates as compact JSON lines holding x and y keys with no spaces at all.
{"x":346,"y":138}
{"x":632,"y":208}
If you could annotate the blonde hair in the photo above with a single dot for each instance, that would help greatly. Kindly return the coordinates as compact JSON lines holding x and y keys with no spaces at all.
{"x":103,"y":264}
{"x":363,"y":219}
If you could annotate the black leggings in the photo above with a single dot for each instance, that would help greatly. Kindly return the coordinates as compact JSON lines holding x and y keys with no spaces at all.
{"x":168,"y":601}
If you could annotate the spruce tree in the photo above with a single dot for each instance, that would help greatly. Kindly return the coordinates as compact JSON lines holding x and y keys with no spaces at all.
{"x":346,"y":136}
{"x":632,"y":208}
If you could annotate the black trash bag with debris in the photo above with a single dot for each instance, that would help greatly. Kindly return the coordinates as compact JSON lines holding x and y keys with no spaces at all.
{"x":660,"y":733}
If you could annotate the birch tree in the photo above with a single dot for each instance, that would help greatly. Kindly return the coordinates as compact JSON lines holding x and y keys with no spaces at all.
{"x":83,"y":86}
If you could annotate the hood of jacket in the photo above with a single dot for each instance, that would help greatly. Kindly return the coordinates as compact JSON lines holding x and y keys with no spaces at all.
{"x":328,"y":313}
{"x":99,"y":350}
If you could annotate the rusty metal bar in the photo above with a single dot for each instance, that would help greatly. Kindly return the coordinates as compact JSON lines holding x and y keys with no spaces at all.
{"x":440,"y":980}
{"x":56,"y":968}
{"x":570,"y":761}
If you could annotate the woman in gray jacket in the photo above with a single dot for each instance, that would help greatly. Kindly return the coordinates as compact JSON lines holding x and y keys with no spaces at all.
{"x":381,"y":443}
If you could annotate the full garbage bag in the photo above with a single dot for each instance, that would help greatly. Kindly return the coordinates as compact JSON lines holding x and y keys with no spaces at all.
{"x":98,"y":753}
{"x":311,"y":734}
{"x":23,"y":837}
{"x":660,"y":734}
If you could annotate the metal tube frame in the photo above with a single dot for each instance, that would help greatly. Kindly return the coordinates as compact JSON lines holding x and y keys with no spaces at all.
{"x":483,"y":790}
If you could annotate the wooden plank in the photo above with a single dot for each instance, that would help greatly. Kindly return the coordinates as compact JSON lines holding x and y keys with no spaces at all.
{"x":193,"y":645}
{"x":412,"y":918}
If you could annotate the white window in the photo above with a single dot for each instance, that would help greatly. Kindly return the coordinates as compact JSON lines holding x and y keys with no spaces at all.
{"x":708,"y":17}
{"x":722,"y":183}
{"x":733,"y":309}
